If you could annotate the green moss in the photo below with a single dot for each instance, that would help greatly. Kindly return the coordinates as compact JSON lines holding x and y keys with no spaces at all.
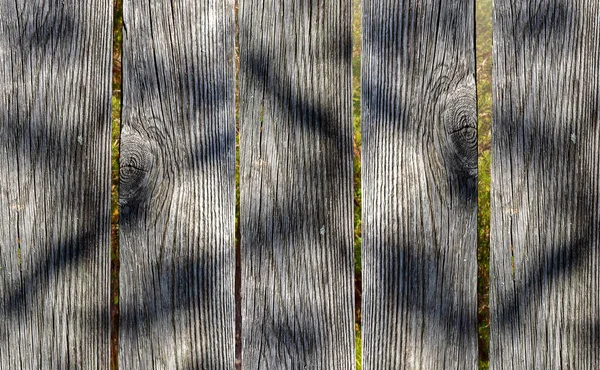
{"x":358,"y":342}
{"x":484,"y":107}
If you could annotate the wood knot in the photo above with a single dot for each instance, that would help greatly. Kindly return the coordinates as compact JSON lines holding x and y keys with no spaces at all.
{"x":460,"y":125}
{"x":136,"y":164}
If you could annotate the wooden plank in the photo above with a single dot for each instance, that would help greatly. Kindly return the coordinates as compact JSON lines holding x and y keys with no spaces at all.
{"x":296,"y":185}
{"x":55,"y":81}
{"x":419,"y":185}
{"x":177,"y":193}
{"x":545,"y":230}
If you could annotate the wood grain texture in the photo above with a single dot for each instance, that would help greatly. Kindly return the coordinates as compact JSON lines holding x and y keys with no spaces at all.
{"x":419,"y":185}
{"x":55,"y":90}
{"x":177,"y":194}
{"x":545,"y":234}
{"x":296,"y":184}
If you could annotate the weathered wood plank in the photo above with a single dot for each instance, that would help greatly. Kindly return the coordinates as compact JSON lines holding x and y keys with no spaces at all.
{"x":419,"y":185}
{"x":177,"y":193}
{"x":296,"y":184}
{"x":545,"y":230}
{"x":55,"y":77}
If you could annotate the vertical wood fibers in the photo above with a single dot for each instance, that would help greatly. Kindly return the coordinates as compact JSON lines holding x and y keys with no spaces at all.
{"x":545,"y":234}
{"x":55,"y":76}
{"x":177,"y":192}
{"x":419,"y":179}
{"x":296,"y":184}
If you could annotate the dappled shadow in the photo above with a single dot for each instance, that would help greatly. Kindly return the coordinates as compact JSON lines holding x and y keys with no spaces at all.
{"x":545,"y":198}
{"x":418,"y":294}
{"x":297,"y":159}
{"x":161,"y":327}
{"x":419,"y":155}
{"x":55,"y":185}
{"x":176,"y":194}
{"x":296,"y":195}
{"x":35,"y":282}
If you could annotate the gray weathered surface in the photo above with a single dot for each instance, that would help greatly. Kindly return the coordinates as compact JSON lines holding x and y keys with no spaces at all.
{"x":545,"y":246}
{"x":419,"y":185}
{"x":177,"y":192}
{"x":296,"y":185}
{"x":55,"y":76}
